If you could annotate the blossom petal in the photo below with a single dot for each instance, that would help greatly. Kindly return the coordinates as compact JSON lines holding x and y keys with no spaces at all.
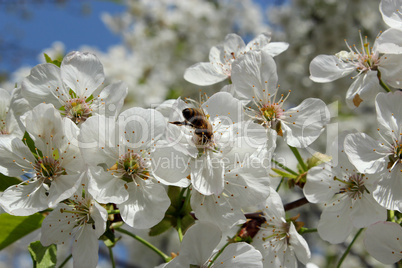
{"x":106,"y":188}
{"x":224,"y":106}
{"x":239,"y":255}
{"x":276,"y":48}
{"x":389,"y":112}
{"x":390,"y":41}
{"x":85,"y":248}
{"x":299,"y":245}
{"x":383,"y":240}
{"x":63,"y":187}
{"x":207,"y":174}
{"x":112,"y":98}
{"x":216,"y":209}
{"x":364,"y":88}
{"x":319,"y":186}
{"x":306,"y":124}
{"x":328,"y":68}
{"x":390,"y":13}
{"x":233,"y":43}
{"x":82,"y":72}
{"x":44,"y":84}
{"x":146,"y":205}
{"x":391,"y":69}
{"x":255,"y":75}
{"x":366,"y":211}
{"x":15,"y":157}
{"x":24,"y":200}
{"x":365,"y":153}
{"x":204,"y":74}
{"x":388,"y":192}
{"x":335,"y":224}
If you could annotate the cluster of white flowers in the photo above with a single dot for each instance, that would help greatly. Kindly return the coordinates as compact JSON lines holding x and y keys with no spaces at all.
{"x":78,"y":155}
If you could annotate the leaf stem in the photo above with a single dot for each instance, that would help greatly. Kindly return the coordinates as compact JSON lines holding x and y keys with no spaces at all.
{"x":307,"y":230}
{"x":219,"y":253}
{"x":146,"y":243}
{"x":115,"y":211}
{"x":179,"y":230}
{"x":65,"y":261}
{"x":382,"y":84}
{"x":284,"y":167}
{"x":298,"y":157}
{"x":112,"y":257}
{"x":348,"y":248}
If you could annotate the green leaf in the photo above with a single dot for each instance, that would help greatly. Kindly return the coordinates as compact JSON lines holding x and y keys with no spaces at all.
{"x":6,"y":182}
{"x":13,"y":228}
{"x":49,"y":60}
{"x":43,"y":256}
{"x":186,"y":222}
{"x":161,"y":227}
{"x":283,"y":173}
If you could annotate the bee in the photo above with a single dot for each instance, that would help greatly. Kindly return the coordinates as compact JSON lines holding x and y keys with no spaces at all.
{"x":196,"y":118}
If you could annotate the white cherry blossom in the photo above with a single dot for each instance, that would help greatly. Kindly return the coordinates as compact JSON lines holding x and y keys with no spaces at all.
{"x":277,"y":240}
{"x":207,"y":152}
{"x":347,"y":196}
{"x":128,"y":149}
{"x":52,"y":173}
{"x":74,"y":87}
{"x":10,"y":127}
{"x":80,"y":219}
{"x":368,"y":62}
{"x":382,"y":157}
{"x":198,"y":249}
{"x":222,"y":57}
{"x":255,"y":78}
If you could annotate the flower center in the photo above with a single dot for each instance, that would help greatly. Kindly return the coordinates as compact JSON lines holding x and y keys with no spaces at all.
{"x":355,"y":187}
{"x":364,"y":60}
{"x":77,"y":110}
{"x":48,"y":169}
{"x":270,"y":113}
{"x":132,"y":165}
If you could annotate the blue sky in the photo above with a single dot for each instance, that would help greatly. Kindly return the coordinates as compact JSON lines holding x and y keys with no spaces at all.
{"x":34,"y":25}
{"x":48,"y":22}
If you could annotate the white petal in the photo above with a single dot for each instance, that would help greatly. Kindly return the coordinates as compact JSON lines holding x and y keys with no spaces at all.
{"x":207,"y":236}
{"x":168,"y":165}
{"x":24,"y":200}
{"x":239,"y":255}
{"x":366,"y":154}
{"x":390,"y":13}
{"x":98,"y":141}
{"x":56,"y":227}
{"x":44,"y":84}
{"x":255,"y":75}
{"x":319,"y":186}
{"x":216,"y":209}
{"x":82,"y":72}
{"x":233,"y":43}
{"x":45,"y":126}
{"x":389,"y":112}
{"x":207,"y":174}
{"x":204,"y":74}
{"x":388,"y":192}
{"x":15,"y":157}
{"x":383,"y":241}
{"x":106,"y":188}
{"x":224,"y":106}
{"x":335,"y":224}
{"x":300,"y":245}
{"x":63,"y":187}
{"x":259,"y":42}
{"x":306,"y":124}
{"x":364,"y":88}
{"x":140,"y":128}
{"x":391,"y":70}
{"x":146,"y":205}
{"x":112,"y":98}
{"x":273,"y":206}
{"x":328,"y":68}
{"x":367,"y":211}
{"x":390,"y":41}
{"x":85,"y":248}
{"x":276,"y":48}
